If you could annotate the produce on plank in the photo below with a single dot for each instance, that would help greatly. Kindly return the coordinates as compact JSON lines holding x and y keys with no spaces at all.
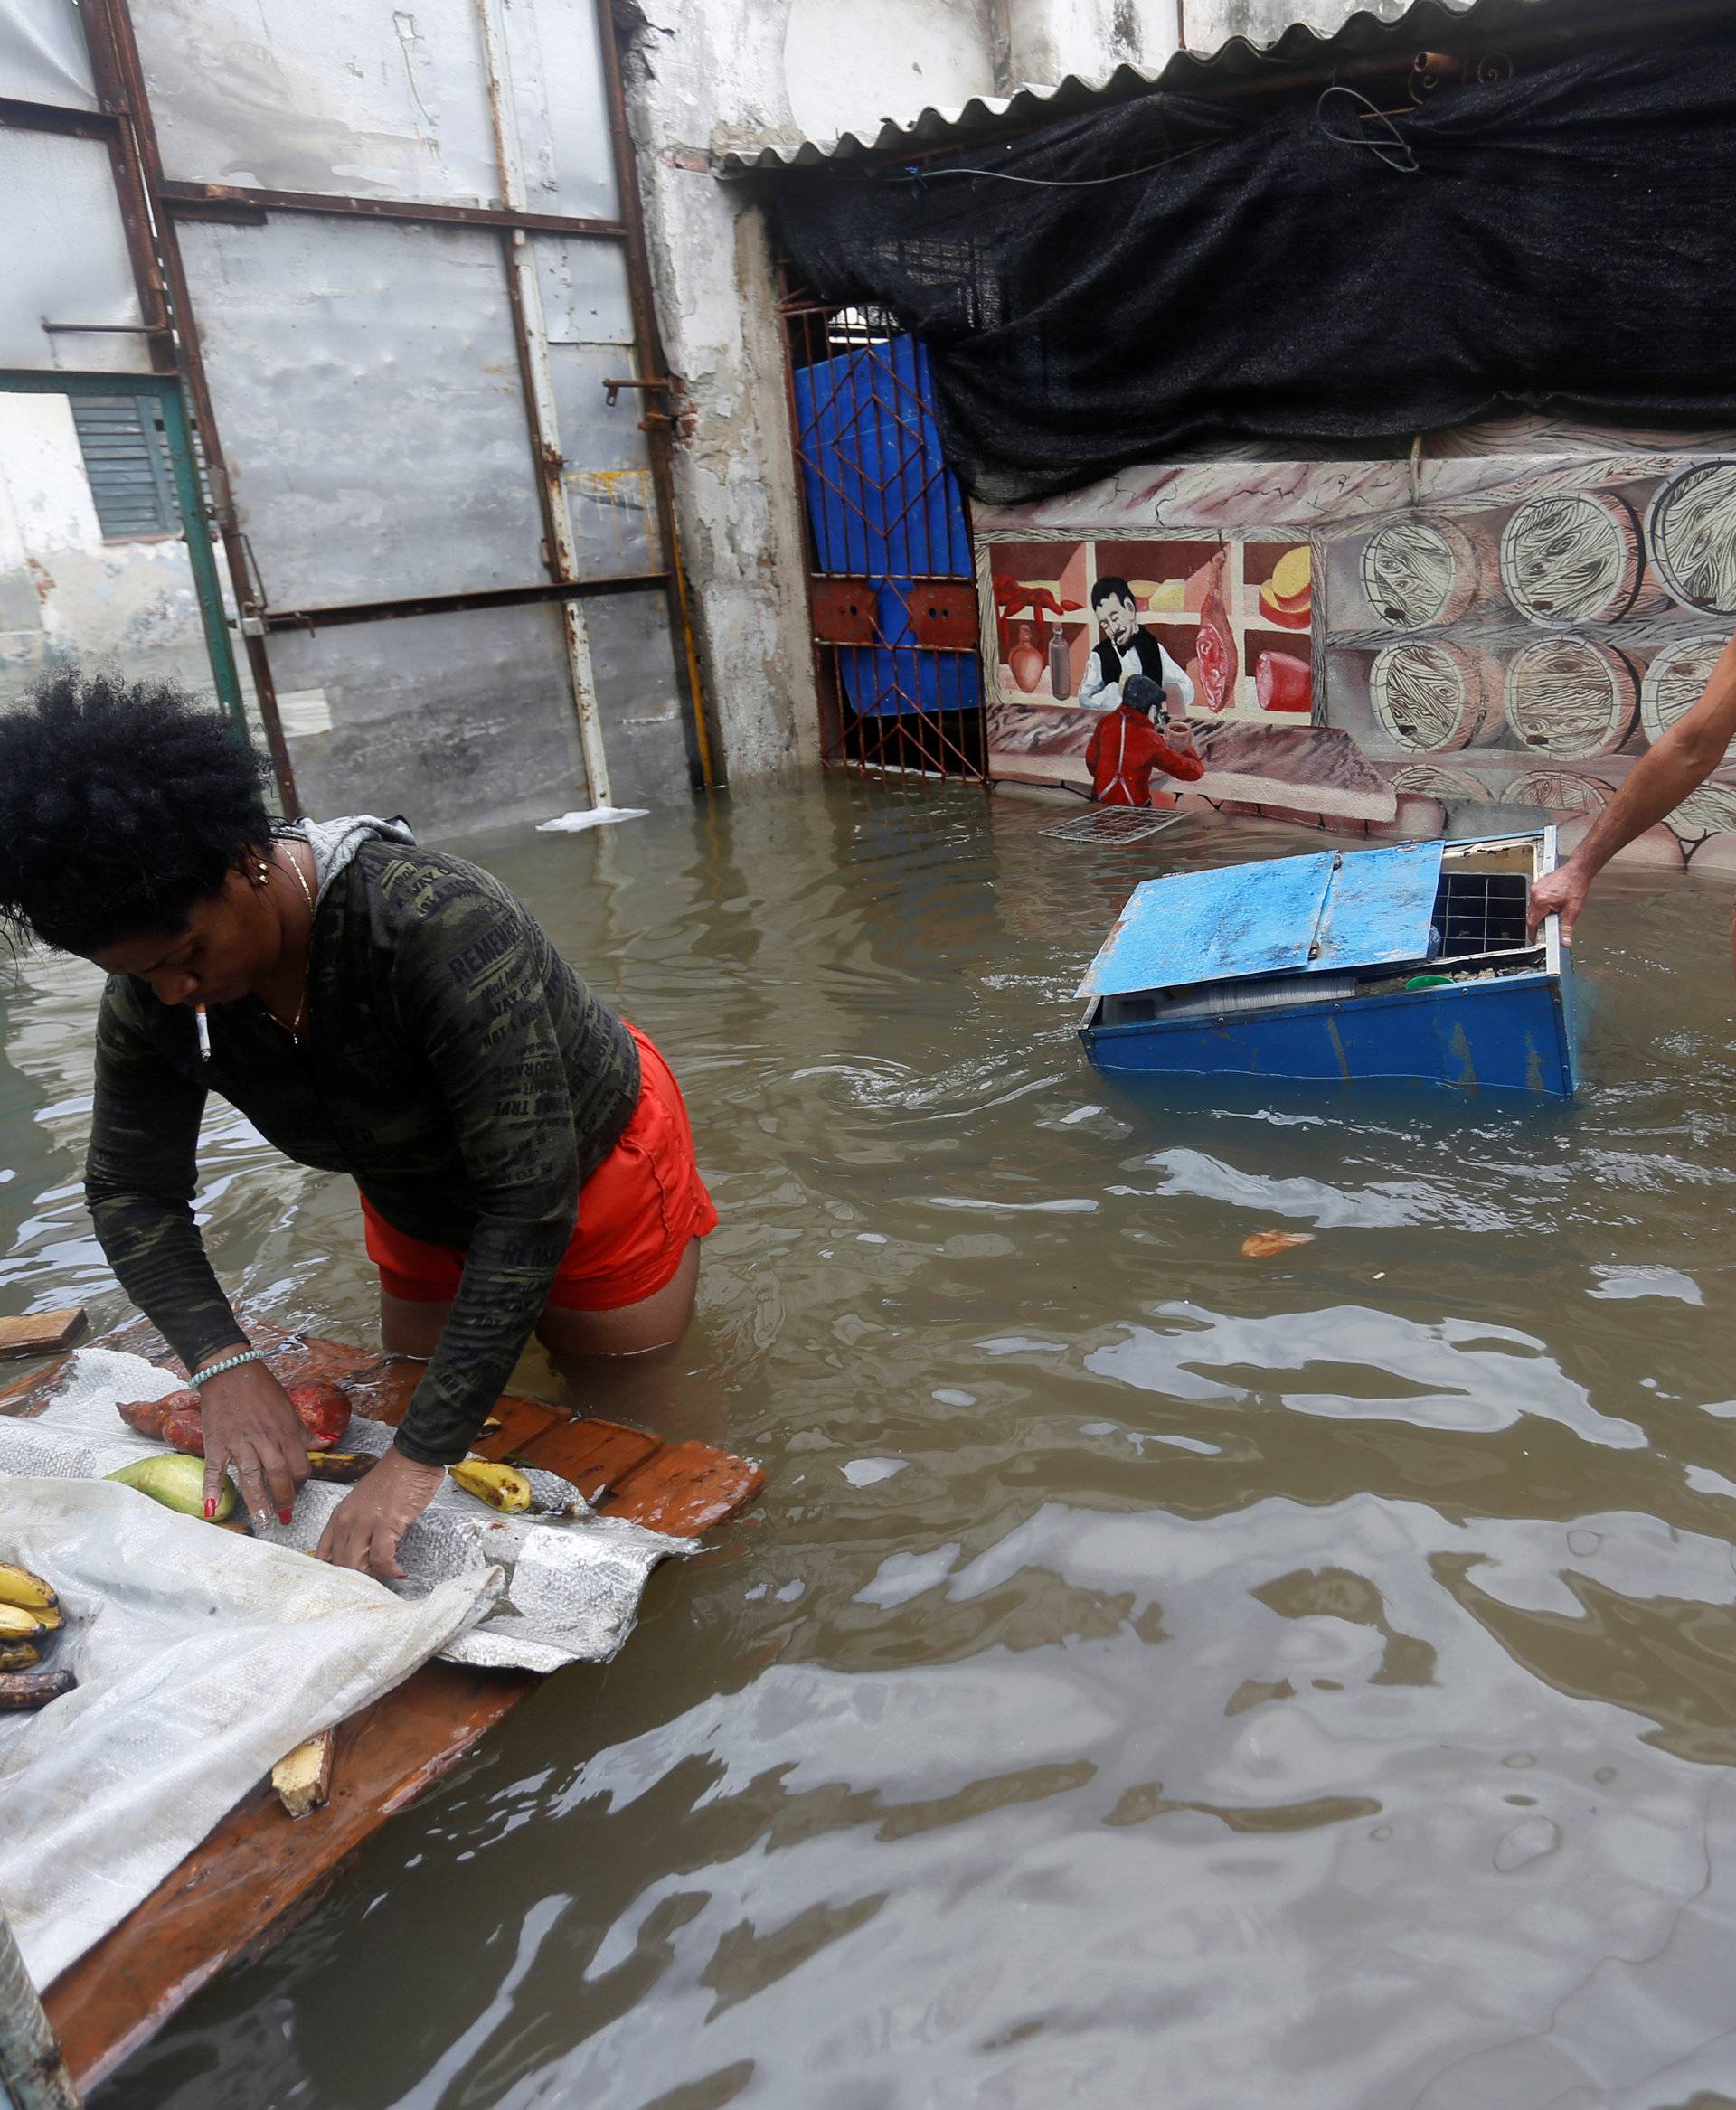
{"x":18,"y":1586}
{"x":340,"y":1465}
{"x":502,"y":1487}
{"x":322,"y":1410}
{"x":146,"y":1417}
{"x":324,"y":1413}
{"x":177,"y":1481}
{"x":21,"y":1691}
{"x":17,"y":1624}
{"x":183,"y":1430}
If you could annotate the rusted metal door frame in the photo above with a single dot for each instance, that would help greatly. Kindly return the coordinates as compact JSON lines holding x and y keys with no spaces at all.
{"x":114,"y":53}
{"x":158,"y":206}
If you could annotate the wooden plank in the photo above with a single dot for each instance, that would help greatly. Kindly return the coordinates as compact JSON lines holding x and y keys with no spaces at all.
{"x":685,"y":1488}
{"x":521,"y":1422}
{"x":256,"y":1866}
{"x":42,"y":1334}
{"x":595,"y":1455}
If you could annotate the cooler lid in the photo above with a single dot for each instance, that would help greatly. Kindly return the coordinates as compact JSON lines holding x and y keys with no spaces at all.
{"x":1295,"y":915}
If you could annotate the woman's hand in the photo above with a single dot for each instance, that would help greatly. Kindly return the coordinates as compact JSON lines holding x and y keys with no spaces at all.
{"x":364,"y":1530}
{"x":251,"y":1430}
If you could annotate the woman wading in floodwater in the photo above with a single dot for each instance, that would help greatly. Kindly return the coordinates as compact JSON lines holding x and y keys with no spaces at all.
{"x":523,"y":1157}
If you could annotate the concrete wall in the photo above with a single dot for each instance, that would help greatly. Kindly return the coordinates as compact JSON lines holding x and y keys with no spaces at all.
{"x":66,"y":593}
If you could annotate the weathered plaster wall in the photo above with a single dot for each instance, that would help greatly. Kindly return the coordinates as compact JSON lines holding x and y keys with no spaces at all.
{"x":736,"y":496}
{"x":66,"y":593}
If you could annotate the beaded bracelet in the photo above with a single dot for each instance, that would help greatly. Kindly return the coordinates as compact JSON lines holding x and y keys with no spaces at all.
{"x":230,"y":1363}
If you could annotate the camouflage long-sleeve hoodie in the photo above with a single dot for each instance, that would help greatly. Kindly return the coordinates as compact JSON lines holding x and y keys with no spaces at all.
{"x":452,"y":1064}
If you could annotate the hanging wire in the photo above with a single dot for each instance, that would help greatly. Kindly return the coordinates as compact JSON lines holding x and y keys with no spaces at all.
{"x":1392,"y":148}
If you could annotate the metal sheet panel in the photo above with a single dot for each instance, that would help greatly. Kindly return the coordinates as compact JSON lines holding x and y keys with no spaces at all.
{"x":586,"y":299}
{"x":366,"y":384}
{"x":610,"y":496}
{"x":43,"y":57}
{"x":457,"y":721}
{"x":337,"y":97}
{"x":607,"y":475}
{"x":1379,"y":906}
{"x":640,"y":697}
{"x":1208,"y":926}
{"x":556,"y":66}
{"x":63,"y":258}
{"x":1234,"y":64}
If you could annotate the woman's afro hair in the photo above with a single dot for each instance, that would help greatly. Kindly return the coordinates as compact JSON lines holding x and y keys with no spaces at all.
{"x":121,"y":803}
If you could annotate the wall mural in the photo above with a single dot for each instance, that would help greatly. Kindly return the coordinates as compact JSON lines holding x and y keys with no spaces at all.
{"x":1383,"y":644}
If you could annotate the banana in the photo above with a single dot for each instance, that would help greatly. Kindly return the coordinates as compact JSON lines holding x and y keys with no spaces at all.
{"x":22,"y":1690}
{"x":17,"y":1624}
{"x":19,"y":1586}
{"x":502,"y":1487}
{"x":342,"y":1466}
{"x":177,"y":1481}
{"x":19,"y":1656}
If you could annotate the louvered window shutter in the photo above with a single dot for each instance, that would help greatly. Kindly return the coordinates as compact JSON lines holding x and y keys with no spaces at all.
{"x":127,"y":458}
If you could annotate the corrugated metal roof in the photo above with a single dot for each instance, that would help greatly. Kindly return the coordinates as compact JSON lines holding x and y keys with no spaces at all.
{"x":1236,"y":65}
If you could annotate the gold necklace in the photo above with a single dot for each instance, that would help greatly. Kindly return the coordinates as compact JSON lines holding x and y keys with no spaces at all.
{"x":294,"y":1030}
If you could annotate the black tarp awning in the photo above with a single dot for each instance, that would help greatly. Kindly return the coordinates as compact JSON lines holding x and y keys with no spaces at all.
{"x":1168,"y":272}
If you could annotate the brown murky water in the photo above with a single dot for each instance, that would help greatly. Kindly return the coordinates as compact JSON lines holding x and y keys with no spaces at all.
{"x":1152,"y":1676}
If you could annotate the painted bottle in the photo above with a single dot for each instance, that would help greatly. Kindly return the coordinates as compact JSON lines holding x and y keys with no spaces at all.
{"x":1061,"y":671}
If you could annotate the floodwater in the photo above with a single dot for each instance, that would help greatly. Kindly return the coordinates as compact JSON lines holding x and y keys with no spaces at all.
{"x":1152,"y":1676}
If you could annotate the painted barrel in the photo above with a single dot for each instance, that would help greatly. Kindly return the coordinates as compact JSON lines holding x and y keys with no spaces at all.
{"x":1709,"y":811}
{"x":1420,"y":573}
{"x":1691,"y":530}
{"x":1432,"y":697}
{"x":1572,"y":697}
{"x":1558,"y":791}
{"x":1573,"y":557}
{"x":1431,"y":780}
{"x":1675,"y":682}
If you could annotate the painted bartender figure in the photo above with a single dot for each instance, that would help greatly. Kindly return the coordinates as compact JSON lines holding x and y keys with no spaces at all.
{"x":1131,"y":678}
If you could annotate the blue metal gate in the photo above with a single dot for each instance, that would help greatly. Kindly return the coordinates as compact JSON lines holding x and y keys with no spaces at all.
{"x":891,"y":582}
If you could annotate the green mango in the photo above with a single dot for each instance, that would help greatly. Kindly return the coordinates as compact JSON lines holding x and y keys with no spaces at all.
{"x":177,"y":1481}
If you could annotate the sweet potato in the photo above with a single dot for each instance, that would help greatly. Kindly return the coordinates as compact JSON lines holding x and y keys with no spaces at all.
{"x":145,"y":1417}
{"x":324,"y":1412}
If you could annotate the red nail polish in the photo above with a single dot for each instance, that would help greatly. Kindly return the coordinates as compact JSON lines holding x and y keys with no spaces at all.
{"x":210,"y":1512}
{"x":284,"y":1515}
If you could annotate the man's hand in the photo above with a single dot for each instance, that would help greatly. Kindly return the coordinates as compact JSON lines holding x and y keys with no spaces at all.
{"x":251,"y":1430}
{"x":1559,"y":893}
{"x":364,"y":1529}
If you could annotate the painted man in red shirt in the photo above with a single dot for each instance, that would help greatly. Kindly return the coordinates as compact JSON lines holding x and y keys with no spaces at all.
{"x":1126,"y":748}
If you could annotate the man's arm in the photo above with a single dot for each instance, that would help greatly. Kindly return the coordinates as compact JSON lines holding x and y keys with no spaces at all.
{"x":1658,"y":784}
{"x":1178,"y":756}
{"x":1095,"y":693}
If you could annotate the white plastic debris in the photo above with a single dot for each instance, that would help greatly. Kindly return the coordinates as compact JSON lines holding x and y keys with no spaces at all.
{"x":593,"y":816}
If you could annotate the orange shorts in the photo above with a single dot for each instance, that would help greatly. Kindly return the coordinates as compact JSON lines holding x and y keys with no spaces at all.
{"x":636,"y":1213}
